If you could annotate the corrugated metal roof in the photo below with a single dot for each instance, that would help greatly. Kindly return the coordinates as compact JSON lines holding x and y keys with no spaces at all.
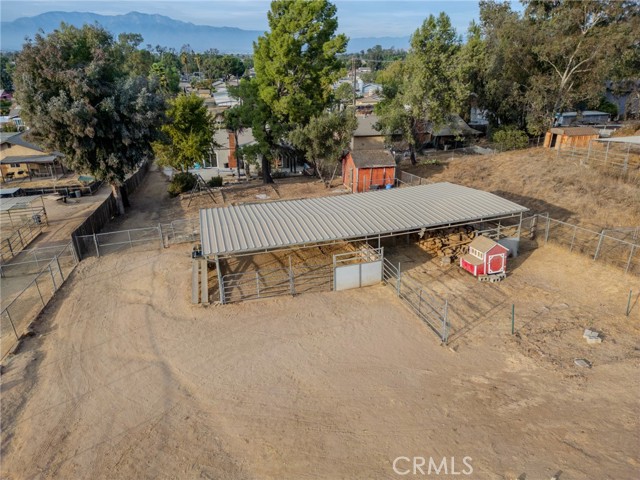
{"x":286,"y":223}
{"x":14,"y":203}
{"x":372,"y":158}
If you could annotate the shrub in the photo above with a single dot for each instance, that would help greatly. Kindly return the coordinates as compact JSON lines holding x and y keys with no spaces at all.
{"x":182,"y":182}
{"x":510,"y":138}
{"x":215,"y":182}
{"x":279,"y":174}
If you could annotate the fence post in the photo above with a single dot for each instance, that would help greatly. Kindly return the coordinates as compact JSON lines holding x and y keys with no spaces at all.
{"x":39,"y":292}
{"x":630,"y":257}
{"x":59,"y":269}
{"x":291,"y":280}
{"x":129,"y":235}
{"x":629,"y":303}
{"x":95,"y":241}
{"x":258,"y":283}
{"x":513,"y":318}
{"x":445,"y":315}
{"x":546,"y":233}
{"x":53,"y":279}
{"x":11,"y":322}
{"x":599,"y":245}
{"x":575,"y":229}
{"x":20,"y":237}
{"x":161,"y":237}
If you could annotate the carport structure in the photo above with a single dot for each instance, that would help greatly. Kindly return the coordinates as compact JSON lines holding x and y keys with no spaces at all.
{"x":249,"y":229}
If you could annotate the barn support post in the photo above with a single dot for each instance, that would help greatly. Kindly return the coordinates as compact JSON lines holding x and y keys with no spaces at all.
{"x":399,"y":280}
{"x":599,"y":245}
{"x":258,"y":283}
{"x":291,"y":278}
{"x":95,"y":242}
{"x":573,"y":238}
{"x":220,"y":280}
{"x":630,"y":258}
{"x":129,"y":235}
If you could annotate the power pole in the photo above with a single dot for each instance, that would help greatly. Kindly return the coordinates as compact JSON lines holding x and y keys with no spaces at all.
{"x":353,"y":69}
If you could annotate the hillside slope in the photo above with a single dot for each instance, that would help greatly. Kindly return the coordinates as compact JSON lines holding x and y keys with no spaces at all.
{"x":538,"y":180}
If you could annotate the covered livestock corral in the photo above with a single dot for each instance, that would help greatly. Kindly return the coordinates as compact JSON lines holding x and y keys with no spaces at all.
{"x":274,"y":248}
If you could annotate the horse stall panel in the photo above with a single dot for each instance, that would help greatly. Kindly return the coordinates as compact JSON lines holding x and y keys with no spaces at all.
{"x":358,"y":269}
{"x":370,"y":273}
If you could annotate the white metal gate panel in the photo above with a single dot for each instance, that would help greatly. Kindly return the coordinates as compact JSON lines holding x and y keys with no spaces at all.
{"x":368,"y":270}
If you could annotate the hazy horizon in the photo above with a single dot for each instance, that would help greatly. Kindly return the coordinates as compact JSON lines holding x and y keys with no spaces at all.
{"x":357,"y":18}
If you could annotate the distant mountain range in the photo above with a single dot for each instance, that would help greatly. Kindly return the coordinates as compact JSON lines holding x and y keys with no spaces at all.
{"x":161,"y":30}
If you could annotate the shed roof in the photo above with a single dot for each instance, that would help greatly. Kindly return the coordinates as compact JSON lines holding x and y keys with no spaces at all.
{"x":287,"y":223}
{"x":366,"y":126}
{"x":372,"y":158}
{"x":484,"y":244}
{"x":575,"y":131}
{"x":455,"y":126}
{"x":16,"y":203}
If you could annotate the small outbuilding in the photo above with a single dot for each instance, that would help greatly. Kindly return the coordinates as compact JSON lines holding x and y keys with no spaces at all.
{"x":563,"y":137}
{"x":364,"y":170}
{"x":485,"y":257}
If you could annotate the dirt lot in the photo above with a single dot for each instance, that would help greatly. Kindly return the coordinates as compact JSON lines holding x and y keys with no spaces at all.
{"x":125,"y":379}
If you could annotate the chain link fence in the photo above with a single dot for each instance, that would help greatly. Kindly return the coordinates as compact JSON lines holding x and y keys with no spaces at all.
{"x":162,"y":235}
{"x":29,"y":302}
{"x":601,"y":246}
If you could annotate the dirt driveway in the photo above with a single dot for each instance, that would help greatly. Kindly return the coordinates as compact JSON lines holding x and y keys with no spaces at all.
{"x":125,"y":379}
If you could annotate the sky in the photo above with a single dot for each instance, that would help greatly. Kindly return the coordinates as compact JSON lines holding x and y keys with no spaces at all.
{"x":357,"y":18}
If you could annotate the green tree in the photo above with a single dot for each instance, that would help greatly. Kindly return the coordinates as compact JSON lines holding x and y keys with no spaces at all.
{"x":253,"y":111}
{"x":572,"y":70}
{"x":344,"y":94}
{"x":6,"y":71}
{"x":296,"y":64}
{"x":428,"y":89}
{"x":188,"y":133}
{"x":78,"y":101}
{"x":510,"y":138}
{"x":325,"y":139}
{"x":167,"y":76}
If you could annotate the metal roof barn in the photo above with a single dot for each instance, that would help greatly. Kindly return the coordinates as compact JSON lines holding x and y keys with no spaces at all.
{"x":267,"y":226}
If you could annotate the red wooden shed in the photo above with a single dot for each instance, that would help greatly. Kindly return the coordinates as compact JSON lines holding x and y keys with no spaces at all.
{"x":364,"y":170}
{"x":485,"y":257}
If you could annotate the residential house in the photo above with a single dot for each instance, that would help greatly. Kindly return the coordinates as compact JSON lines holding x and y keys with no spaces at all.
{"x":20,"y":158}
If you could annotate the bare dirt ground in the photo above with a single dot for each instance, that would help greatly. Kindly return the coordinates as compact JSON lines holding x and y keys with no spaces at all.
{"x":125,"y":379}
{"x":539,"y":180}
{"x":151,"y":204}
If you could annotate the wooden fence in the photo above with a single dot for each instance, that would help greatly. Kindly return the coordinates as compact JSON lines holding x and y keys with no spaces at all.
{"x":106,"y":211}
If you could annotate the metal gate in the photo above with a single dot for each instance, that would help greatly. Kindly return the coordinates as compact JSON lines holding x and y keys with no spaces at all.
{"x":357,"y":269}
